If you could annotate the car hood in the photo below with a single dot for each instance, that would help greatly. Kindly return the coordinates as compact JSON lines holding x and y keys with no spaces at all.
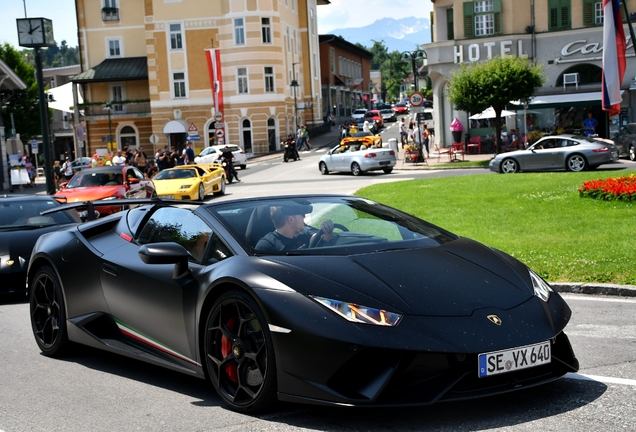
{"x":171,"y":186}
{"x":450,"y":280}
{"x":91,"y":193}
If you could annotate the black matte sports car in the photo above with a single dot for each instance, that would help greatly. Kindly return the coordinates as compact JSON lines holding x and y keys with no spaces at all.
{"x":332,"y":300}
{"x":20,"y":226}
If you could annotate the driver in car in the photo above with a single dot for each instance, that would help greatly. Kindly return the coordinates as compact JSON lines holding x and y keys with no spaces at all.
{"x":291,"y":232}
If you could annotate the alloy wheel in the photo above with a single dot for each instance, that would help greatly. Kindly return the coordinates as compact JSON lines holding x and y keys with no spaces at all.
{"x":576,"y":163}
{"x":48,"y":316}
{"x":509,"y":166}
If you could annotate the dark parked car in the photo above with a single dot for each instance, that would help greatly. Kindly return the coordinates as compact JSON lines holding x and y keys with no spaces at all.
{"x":343,"y":314}
{"x":20,"y":227}
{"x":625,"y":140}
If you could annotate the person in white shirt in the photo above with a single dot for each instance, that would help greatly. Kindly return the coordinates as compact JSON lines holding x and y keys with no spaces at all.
{"x":119,"y":159}
{"x":67,"y":169}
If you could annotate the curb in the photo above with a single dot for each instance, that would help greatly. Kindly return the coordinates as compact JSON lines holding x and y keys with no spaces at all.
{"x":594,"y":289}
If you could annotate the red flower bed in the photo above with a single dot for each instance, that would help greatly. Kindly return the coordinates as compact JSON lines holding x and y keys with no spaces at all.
{"x":610,"y":189}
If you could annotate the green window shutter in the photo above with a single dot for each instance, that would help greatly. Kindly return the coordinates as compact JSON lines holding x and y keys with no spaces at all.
{"x":450,"y":25}
{"x":469,"y":20}
{"x":496,"y":9}
{"x":432,"y":22}
{"x":623,"y":16}
{"x":588,"y":12}
{"x":566,"y":19}
{"x":553,"y":14}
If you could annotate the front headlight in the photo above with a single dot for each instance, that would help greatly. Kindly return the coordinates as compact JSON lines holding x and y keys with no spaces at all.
{"x":110,"y":198}
{"x":541,"y":289}
{"x":360,"y":314}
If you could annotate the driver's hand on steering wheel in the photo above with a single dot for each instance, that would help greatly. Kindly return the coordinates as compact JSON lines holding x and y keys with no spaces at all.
{"x":327,"y":228}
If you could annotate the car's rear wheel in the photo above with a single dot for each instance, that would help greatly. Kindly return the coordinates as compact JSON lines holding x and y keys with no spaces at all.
{"x":222,"y":190}
{"x":48,"y":314}
{"x":239,"y":353}
{"x":632,"y":153}
{"x":387,"y":170}
{"x":201,"y":193}
{"x":323,"y":168}
{"x":355,"y":169}
{"x":509,"y":166}
{"x":243,"y":166}
{"x":576,"y":163}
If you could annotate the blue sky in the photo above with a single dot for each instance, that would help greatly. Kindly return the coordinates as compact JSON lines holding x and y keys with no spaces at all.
{"x":339,"y":14}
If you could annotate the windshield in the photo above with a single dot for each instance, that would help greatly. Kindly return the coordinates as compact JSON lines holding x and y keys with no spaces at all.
{"x":26,"y":214}
{"x":171,"y":174}
{"x":92,"y":179}
{"x":359,"y":226}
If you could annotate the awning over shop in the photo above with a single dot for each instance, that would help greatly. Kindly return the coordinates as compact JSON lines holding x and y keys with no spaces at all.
{"x":561,"y":100}
{"x":63,"y":97}
{"x":115,"y":69}
{"x":176,"y":126}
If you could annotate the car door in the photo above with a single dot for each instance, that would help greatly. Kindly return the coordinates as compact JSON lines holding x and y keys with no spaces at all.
{"x":207,"y":178}
{"x":137,"y":186}
{"x":145,"y":299}
{"x":335,"y":159}
{"x":541,"y":155}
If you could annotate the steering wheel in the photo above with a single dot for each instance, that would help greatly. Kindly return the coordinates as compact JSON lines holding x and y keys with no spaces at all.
{"x":316,"y":240}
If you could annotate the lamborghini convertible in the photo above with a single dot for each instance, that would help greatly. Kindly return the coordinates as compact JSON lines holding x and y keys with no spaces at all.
{"x":390,"y":310}
{"x":190,"y":182}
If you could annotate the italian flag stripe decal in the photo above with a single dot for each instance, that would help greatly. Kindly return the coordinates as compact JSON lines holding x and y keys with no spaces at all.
{"x":130,"y":332}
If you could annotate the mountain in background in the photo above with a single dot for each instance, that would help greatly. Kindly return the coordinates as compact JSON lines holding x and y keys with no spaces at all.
{"x":398,"y":34}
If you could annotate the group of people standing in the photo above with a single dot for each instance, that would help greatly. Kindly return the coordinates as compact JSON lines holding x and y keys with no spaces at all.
{"x":412,"y":133}
{"x":302,"y":138}
{"x":169,"y":157}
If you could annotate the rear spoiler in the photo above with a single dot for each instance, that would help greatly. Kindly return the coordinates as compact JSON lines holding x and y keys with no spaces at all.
{"x":90,"y":206}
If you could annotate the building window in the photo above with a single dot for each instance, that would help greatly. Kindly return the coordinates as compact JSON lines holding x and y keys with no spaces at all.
{"x":176,"y":38}
{"x":288,"y":43}
{"x":295,"y":42}
{"x":598,"y":13}
{"x":269,"y":79}
{"x":332,"y":59}
{"x":117,"y":95}
{"x":178,"y":82}
{"x":241,"y":74}
{"x":559,"y":15}
{"x":114,"y":48}
{"x":239,"y":31}
{"x":110,"y":11}
{"x":482,"y":18}
{"x":266,"y":31}
{"x":593,"y":13}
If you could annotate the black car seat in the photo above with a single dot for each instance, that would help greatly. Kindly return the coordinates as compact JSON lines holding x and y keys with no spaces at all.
{"x":260,"y":223}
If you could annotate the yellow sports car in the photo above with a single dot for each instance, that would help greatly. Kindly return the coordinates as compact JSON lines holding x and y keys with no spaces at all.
{"x":363,"y":138}
{"x":190,"y":182}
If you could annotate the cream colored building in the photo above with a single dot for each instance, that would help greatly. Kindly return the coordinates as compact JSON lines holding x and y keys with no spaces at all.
{"x":206,"y":71}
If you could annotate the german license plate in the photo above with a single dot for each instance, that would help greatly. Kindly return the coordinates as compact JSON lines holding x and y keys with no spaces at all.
{"x":167,"y":196}
{"x":498,"y":362}
{"x":384,"y":163}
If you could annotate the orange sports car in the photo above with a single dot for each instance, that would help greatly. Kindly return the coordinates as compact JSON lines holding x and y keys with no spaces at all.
{"x":365,"y":138}
{"x":104,"y":183}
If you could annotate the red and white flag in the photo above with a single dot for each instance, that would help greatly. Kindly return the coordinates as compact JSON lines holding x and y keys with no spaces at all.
{"x":614,"y":47}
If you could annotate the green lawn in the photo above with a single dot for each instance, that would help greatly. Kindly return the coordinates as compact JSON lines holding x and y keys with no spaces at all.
{"x":538,"y":218}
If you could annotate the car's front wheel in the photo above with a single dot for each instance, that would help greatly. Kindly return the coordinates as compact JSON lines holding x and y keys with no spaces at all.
{"x":323,"y":168}
{"x":239,"y":353}
{"x":355,"y":169}
{"x":576,"y":163}
{"x":509,"y":166}
{"x":221,"y":191}
{"x":48,"y":314}
{"x":632,"y":153}
{"x":387,"y":170}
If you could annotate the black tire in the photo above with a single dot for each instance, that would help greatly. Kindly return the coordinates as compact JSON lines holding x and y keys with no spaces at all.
{"x":509,"y":166}
{"x":222,"y":190}
{"x":243,"y":166}
{"x":48,"y":313}
{"x":576,"y":163}
{"x":239,"y":353}
{"x":387,"y":170}
{"x":355,"y":169}
{"x":323,"y":168}
{"x":201,"y":196}
{"x":632,"y":152}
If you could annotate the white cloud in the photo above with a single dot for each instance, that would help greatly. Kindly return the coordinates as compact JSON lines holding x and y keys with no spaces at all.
{"x":360,"y":13}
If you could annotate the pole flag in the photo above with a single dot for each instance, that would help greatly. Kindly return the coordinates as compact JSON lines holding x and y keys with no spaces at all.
{"x":213,"y":58}
{"x":614,"y":47}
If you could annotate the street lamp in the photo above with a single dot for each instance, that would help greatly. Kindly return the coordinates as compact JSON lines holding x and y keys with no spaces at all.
{"x":413,"y":56}
{"x":109,"y":108}
{"x":295,"y":84}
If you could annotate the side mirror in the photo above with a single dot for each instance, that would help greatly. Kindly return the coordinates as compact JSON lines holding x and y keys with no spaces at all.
{"x":166,"y":253}
{"x":133,"y":180}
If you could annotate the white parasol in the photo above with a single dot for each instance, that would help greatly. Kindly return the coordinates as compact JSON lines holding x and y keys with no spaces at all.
{"x":489,"y":113}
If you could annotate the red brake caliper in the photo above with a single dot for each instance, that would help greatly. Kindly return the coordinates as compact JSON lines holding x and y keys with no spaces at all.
{"x":226,"y":349}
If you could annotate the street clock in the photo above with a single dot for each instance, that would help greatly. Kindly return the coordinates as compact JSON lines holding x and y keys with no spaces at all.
{"x":35,"y":32}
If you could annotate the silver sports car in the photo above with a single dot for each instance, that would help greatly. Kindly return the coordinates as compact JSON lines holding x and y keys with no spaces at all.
{"x":357,"y":159}
{"x":570,"y":152}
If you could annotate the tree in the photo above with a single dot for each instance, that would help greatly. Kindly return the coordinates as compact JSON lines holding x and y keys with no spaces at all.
{"x":23,"y":104}
{"x":495,"y":83}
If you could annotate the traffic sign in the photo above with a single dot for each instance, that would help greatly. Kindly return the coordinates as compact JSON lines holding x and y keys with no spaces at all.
{"x":220,"y":133}
{"x":34,"y":147}
{"x":416,"y":99}
{"x":218,"y":116}
{"x":192,"y":130}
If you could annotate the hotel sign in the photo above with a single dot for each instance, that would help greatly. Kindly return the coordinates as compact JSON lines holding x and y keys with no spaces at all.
{"x":487,"y":50}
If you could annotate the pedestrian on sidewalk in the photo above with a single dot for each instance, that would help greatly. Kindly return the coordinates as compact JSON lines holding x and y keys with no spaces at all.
{"x":403,"y":132}
{"x":67,"y":169}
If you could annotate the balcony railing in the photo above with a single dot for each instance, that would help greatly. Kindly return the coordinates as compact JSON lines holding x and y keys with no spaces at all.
{"x":120,"y":108}
{"x":110,"y":14}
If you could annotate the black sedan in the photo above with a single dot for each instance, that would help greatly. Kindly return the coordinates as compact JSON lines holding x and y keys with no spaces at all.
{"x":20,"y":226}
{"x":625,"y":140}
{"x":310,"y":299}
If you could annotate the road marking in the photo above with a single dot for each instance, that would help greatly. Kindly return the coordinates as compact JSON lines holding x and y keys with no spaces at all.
{"x":605,"y":380}
{"x":586,"y":297}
